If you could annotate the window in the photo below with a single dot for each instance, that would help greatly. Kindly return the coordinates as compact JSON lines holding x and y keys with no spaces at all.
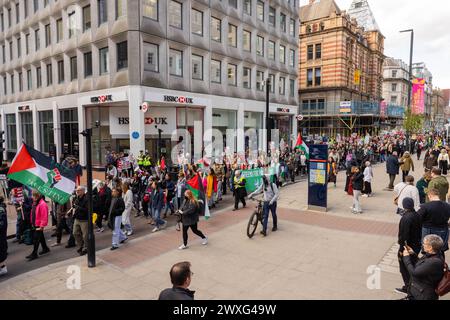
{"x":393,"y":99}
{"x":73,"y":68}
{"x":260,"y":10}
{"x":5,"y":89}
{"x":38,"y":77}
{"x":197,"y":67}
{"x":35,"y":5}
{"x":247,"y":40}
{"x":61,"y":71}
{"x":3,"y":53}
{"x":122,"y":55}
{"x":321,"y":104}
{"x":29,"y":80}
{"x":292,"y":58}
{"x":121,"y":8}
{"x":12,"y":84}
{"x":19,"y":47}
{"x":318,"y":76}
{"x":248,"y":7}
{"x":151,"y":9}
{"x":9,"y":17}
{"x":2,"y":22}
{"x":20,"y":82}
{"x":282,"y":86}
{"x":305,"y":105}
{"x":232,"y":75}
{"x":27,"y":43}
{"x":216,"y":29}
{"x":197,"y":22}
{"x":260,"y":46}
{"x":216,"y":71}
{"x":272,"y":82}
{"x":102,"y":11}
{"x":48,"y":36}
{"x":394,"y":87}
{"x":318,"y":51}
{"x":72,"y":24}
{"x":49,"y":75}
{"x":86,"y":18}
{"x":247,"y":78}
{"x":17,"y":13}
{"x":151,"y":57}
{"x":272,"y":19}
{"x":309,"y":77}
{"x":259,"y":80}
{"x":310,"y":52}
{"x":87,"y":64}
{"x":283,"y":22}
{"x":176,"y":14}
{"x":11,"y":132}
{"x":25,"y":8}
{"x":292,"y":87}
{"x":394,"y":73}
{"x":292,"y":27}
{"x":11,"y":55}
{"x":233,"y":3}
{"x":313,"y":104}
{"x":271,"y":49}
{"x":282,"y":54}
{"x":104,"y":60}
{"x":59,"y":30}
{"x":232,"y":35}
{"x":46,"y":132}
{"x":176,"y":62}
{"x":37,"y":39}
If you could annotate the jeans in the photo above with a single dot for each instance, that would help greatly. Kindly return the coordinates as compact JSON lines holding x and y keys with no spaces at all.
{"x":273,"y":209}
{"x":157,"y":217}
{"x":118,"y":234}
{"x":356,"y":204}
{"x":169,"y":205}
{"x":442,"y":232}
{"x":219,"y":190}
{"x":128,"y":227}
{"x":382,"y":158}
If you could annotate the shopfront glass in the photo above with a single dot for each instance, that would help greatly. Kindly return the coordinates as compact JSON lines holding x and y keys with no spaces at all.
{"x":284,"y":124}
{"x":97,"y":118}
{"x":69,"y":132}
{"x":46,"y":133}
{"x":185,"y":120}
{"x":26,"y":121}
{"x":11,"y":136}
{"x":253,"y":124}
{"x":224,"y":120}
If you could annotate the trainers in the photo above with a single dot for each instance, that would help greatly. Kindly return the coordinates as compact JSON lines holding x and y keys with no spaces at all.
{"x":263,"y":233}
{"x":164,"y":225}
{"x":182,"y":247}
{"x":156,"y":229}
{"x":84,"y":252}
{"x":55,"y":244}
{"x":3,"y":271}
{"x":274,"y":229}
{"x":44,"y":252}
{"x":114,"y":248}
{"x":99,"y":230}
{"x":129,"y":233}
{"x":401,"y":290}
{"x":123,"y":241}
{"x":32,"y":257}
{"x":205,"y":241}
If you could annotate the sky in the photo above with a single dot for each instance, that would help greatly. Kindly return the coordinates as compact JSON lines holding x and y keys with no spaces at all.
{"x":431,"y":23}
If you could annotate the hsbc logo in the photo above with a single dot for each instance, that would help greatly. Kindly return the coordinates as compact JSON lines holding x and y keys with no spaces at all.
{"x":161,"y":120}
{"x":178,"y":99}
{"x":102,"y":99}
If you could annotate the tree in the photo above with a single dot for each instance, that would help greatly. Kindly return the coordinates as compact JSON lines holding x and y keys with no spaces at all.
{"x":413,"y":122}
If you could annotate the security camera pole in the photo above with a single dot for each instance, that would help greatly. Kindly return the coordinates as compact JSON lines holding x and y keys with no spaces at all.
{"x":91,"y":238}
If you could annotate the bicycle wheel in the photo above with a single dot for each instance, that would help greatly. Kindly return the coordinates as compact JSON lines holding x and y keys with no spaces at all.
{"x":252,"y":224}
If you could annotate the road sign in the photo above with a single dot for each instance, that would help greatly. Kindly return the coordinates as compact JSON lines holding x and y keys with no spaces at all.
{"x":300,"y":117}
{"x":144,"y":107}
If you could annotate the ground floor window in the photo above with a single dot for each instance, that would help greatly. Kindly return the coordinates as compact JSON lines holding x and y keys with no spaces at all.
{"x":284,"y":124}
{"x":69,"y":132}
{"x":11,"y":133}
{"x":253,"y":123}
{"x":97,"y":118}
{"x":186,"y":118}
{"x":46,"y":133}
{"x":26,"y":121}
{"x":223,"y":120}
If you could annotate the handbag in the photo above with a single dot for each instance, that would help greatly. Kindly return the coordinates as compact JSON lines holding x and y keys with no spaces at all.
{"x":444,"y":285}
{"x":397,"y":197}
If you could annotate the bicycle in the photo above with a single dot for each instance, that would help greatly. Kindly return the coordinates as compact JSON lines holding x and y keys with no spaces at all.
{"x":257,"y":216}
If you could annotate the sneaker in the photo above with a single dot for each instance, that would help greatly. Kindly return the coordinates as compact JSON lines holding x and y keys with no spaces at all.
{"x":365,"y":195}
{"x":129,"y":233}
{"x":3,"y":271}
{"x":163,"y":225}
{"x":156,"y":229}
{"x":44,"y":252}
{"x":57,"y":244}
{"x":401,"y":290}
{"x":234,"y":209}
{"x":99,"y":230}
{"x":274,"y":229}
{"x":32,"y":257}
{"x":178,"y":228}
{"x":114,"y":248}
{"x":205,"y":241}
{"x":79,"y":250}
{"x":84,"y":252}
{"x":263,"y":233}
{"x":123,"y":241}
{"x":182,"y":247}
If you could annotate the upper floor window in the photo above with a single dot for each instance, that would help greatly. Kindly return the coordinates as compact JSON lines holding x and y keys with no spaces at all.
{"x":197,"y":22}
{"x":272,"y":19}
{"x":318,"y":76}
{"x":104,"y":60}
{"x":35,"y":5}
{"x":232,"y":74}
{"x":151,"y":9}
{"x":260,"y":46}
{"x":232,"y":35}
{"x":60,"y":71}
{"x":72,"y":24}
{"x":49,"y":75}
{"x":102,"y":11}
{"x":48,"y":35}
{"x":151,"y":57}
{"x":292,"y":28}
{"x":247,"y":40}
{"x":73,"y":68}
{"x":318,"y":51}
{"x":176,"y":62}
{"x":216,"y":29}
{"x":17,"y":13}
{"x":122,"y":55}
{"x":216,"y":71}
{"x":176,"y":14}
{"x":282,"y":54}
{"x":59,"y":30}
{"x":309,"y":77}
{"x":197,"y":67}
{"x":394,"y":73}
{"x":87,"y":59}
{"x":247,"y":78}
{"x":292,"y":58}
{"x":121,"y":8}
{"x":86,"y":18}
{"x":271,"y":50}
{"x":310,"y":52}
{"x":283,"y":22}
{"x":394,"y":87}
{"x":248,"y":7}
{"x":37,"y":39}
{"x":260,"y":10}
{"x":233,"y":3}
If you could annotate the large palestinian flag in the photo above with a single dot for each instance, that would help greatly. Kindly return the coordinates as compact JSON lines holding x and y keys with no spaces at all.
{"x":40,"y":172}
{"x":301,"y":145}
{"x":196,"y":186}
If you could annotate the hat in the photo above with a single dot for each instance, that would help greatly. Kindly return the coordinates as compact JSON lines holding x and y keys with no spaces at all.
{"x":408,"y":204}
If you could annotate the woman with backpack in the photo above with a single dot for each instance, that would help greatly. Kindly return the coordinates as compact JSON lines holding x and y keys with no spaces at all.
{"x":189,"y":218}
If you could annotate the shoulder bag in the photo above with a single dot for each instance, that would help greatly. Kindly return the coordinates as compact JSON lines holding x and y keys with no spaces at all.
{"x":444,"y":285}
{"x":397,"y":197}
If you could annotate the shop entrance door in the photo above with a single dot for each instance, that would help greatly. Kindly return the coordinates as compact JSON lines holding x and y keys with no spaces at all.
{"x":151,"y":144}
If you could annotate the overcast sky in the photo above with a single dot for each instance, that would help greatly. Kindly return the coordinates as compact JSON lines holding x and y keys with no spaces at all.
{"x":431,"y":23}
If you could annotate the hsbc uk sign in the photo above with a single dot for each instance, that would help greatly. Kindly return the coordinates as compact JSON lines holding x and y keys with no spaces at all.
{"x":178,"y":99}
{"x":102,"y":99}
{"x":148,"y":120}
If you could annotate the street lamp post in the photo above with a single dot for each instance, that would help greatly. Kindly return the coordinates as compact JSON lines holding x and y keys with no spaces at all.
{"x":411,"y":51}
{"x":90,"y":238}
{"x":268,"y":126}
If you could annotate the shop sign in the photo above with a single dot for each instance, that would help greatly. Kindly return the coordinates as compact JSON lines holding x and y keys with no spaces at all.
{"x":345,"y":107}
{"x":177,"y":99}
{"x":300,"y":117}
{"x":144,"y":107}
{"x":160,"y":120}
{"x":102,"y":99}
{"x":24,"y":108}
{"x":285,"y":110}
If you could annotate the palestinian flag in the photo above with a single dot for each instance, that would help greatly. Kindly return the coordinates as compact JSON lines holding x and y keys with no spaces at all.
{"x":38,"y":171}
{"x":196,"y":186}
{"x":301,"y":145}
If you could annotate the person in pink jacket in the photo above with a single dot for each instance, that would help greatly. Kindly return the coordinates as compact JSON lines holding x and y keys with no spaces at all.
{"x":39,"y":220}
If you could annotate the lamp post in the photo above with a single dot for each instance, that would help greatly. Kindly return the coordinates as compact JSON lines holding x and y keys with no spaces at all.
{"x":267,"y":84}
{"x":91,"y":238}
{"x":411,"y":51}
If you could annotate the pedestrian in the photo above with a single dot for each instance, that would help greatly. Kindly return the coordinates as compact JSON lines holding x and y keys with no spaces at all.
{"x":427,"y":272}
{"x":157,"y":203}
{"x":332,"y":171}
{"x":220,"y":175}
{"x":392,"y":168}
{"x":430,"y":161}
{"x":410,"y":234}
{"x":180,"y":276}
{"x":39,"y":221}
{"x":115,"y":212}
{"x":3,"y":237}
{"x":435,"y":216}
{"x":126,"y":215}
{"x":239,"y":190}
{"x":61,"y":224}
{"x":211,"y":188}
{"x":189,"y":218}
{"x":169,"y":192}
{"x":368,"y":177}
{"x":357,"y":185}
{"x":80,"y":216}
{"x":422,"y":186}
{"x":104,"y":202}
{"x":404,"y":190}
{"x":440,"y":183}
{"x":443,"y":161}
{"x":112,"y":171}
{"x":407,"y":165}
{"x":270,"y":197}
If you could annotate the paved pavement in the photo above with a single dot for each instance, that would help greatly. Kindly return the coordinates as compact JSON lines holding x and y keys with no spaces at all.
{"x":312,"y":256}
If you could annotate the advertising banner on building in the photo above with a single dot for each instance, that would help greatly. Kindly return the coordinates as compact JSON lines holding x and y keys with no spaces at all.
{"x":383,"y":109}
{"x":345,"y":107}
{"x":418,"y":94}
{"x":357,"y":77}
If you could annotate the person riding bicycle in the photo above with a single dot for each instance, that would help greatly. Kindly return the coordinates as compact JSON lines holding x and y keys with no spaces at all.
{"x":270,"y":196}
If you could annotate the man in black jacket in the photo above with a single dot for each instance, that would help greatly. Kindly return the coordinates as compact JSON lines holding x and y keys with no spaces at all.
{"x":180,"y":276}
{"x":426,"y":272}
{"x":409,"y":233}
{"x":80,"y":216}
{"x":392,"y":168}
{"x":102,"y":201}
